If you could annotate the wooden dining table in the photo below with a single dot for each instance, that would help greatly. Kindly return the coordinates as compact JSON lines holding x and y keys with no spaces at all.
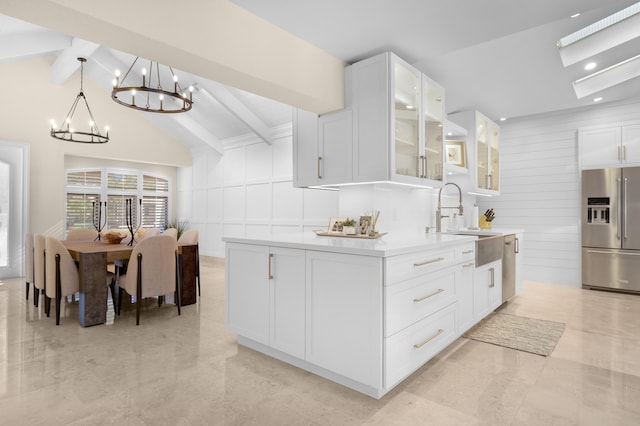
{"x":93,"y":258}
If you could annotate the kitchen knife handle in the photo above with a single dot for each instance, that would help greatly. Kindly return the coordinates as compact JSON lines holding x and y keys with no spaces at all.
{"x":625,"y":208}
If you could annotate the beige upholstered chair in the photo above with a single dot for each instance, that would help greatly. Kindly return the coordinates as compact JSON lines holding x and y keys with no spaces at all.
{"x":82,"y":234}
{"x":39,"y":249}
{"x":151,"y":271}
{"x":171,"y":231}
{"x":62,"y":275}
{"x":191,"y":237}
{"x":150,"y":232}
{"x":28,"y":254}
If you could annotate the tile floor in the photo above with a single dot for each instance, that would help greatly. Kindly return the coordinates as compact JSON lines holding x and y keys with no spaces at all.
{"x":188,"y":370}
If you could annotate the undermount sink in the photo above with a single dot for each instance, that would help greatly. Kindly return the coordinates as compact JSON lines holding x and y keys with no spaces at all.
{"x":488,"y":247}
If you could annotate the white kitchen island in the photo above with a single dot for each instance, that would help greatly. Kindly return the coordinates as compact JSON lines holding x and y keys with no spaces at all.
{"x":363,"y":313}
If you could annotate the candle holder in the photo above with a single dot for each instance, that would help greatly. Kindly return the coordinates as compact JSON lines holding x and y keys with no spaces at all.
{"x":129,"y":216}
{"x":97,"y":217}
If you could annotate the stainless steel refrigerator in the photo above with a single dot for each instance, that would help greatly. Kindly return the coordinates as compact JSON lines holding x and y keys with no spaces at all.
{"x":611,"y":229}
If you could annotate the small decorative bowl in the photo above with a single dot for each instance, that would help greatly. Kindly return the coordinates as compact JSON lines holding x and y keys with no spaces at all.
{"x":113,"y":237}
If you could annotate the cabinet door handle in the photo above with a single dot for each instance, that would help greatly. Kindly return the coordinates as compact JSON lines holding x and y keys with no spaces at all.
{"x":624,"y":153}
{"x":468,"y":251}
{"x":426,"y":262}
{"x":517,"y":245}
{"x":427,"y":340}
{"x":467,"y":265}
{"x":420,"y":299}
{"x":626,"y":213}
{"x":424,"y":167}
{"x":618,"y":152}
{"x":492,"y":283}
{"x":270,"y":266}
{"x":319,"y":161}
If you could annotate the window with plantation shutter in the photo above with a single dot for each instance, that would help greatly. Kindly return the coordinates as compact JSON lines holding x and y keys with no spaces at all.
{"x":117,"y":211}
{"x":84,"y":178}
{"x":122,"y":181}
{"x":84,"y":187}
{"x":81,"y":210}
{"x":155,"y":212}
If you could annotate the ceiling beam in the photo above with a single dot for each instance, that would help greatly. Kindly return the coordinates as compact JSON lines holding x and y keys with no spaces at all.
{"x":219,"y":41}
{"x":229,"y":99}
{"x":66,"y":63}
{"x":34,"y":43}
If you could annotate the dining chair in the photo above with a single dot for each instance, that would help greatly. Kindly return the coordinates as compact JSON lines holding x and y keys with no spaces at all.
{"x":171,"y":231}
{"x":82,"y":234}
{"x":62,"y":275}
{"x":191,"y":237}
{"x":28,"y":254}
{"x":152,"y":271}
{"x":39,"y":259}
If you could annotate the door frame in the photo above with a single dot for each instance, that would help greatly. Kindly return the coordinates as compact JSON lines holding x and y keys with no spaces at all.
{"x":18,"y":209}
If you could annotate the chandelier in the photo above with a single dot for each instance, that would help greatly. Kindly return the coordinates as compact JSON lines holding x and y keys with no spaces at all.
{"x":151,"y":95}
{"x":68,"y":133}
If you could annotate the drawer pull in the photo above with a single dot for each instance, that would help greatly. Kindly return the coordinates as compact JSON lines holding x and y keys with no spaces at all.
{"x":426,"y":262}
{"x":466,"y":265}
{"x":468,"y":251}
{"x":424,"y":342}
{"x":438,"y":291}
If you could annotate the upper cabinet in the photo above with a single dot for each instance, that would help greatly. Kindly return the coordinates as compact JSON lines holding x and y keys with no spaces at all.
{"x":397,"y":122}
{"x":391,"y":130}
{"x":322,"y":148}
{"x":484,"y":152}
{"x":609,"y":146}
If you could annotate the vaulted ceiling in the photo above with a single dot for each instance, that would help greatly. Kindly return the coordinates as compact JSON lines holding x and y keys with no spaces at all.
{"x":497,"y":56}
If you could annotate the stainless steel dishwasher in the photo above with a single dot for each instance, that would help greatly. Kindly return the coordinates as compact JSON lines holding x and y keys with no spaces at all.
{"x":509,"y":252}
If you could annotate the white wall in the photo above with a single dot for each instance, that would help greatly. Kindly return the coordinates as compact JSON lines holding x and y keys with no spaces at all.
{"x":540,"y":187}
{"x":249,"y":191}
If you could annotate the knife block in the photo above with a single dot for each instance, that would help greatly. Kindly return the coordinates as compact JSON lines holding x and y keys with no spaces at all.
{"x":483,"y":223}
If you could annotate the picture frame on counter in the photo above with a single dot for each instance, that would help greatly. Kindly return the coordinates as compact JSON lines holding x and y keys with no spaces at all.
{"x":455,"y":153}
{"x":364,"y":225}
{"x":335,"y":224}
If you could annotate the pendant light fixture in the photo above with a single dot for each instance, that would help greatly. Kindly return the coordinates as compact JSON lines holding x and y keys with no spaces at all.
{"x":151,"y":96}
{"x":67,"y":133}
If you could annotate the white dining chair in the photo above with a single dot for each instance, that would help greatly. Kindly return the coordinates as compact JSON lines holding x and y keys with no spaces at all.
{"x":39,"y":259}
{"x":28,"y":254}
{"x":82,"y":234}
{"x":151,"y":271}
{"x":171,"y":231}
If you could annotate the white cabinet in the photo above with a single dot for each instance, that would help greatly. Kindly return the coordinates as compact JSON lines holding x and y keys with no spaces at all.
{"x":519,"y":261}
{"x":266,"y":299}
{"x":397,"y":119}
{"x":464,"y":289}
{"x":609,"y":146}
{"x":344,"y":315}
{"x":322,"y":148}
{"x":484,"y":150}
{"x":487,"y":289}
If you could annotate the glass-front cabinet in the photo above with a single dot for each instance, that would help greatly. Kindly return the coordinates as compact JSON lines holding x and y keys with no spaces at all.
{"x":484,"y":157}
{"x":397,"y":120}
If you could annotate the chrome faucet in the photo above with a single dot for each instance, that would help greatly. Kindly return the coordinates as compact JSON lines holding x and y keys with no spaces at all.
{"x":439,"y":209}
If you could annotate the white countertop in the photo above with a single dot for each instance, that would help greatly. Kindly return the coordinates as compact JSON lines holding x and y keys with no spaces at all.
{"x":490,"y":231}
{"x":392,"y":244}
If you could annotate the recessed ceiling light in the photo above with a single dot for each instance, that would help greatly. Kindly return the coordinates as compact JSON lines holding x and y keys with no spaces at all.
{"x":503,"y":118}
{"x":450,"y":134}
{"x":598,"y":99}
{"x":590,"y":66}
{"x":575,"y":15}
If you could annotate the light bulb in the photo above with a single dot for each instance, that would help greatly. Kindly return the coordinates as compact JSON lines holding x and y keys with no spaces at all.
{"x":117,"y":73}
{"x":133,"y":92}
{"x":106,"y":128}
{"x":144,"y":71}
{"x":91,"y":123}
{"x":68,"y":120}
{"x":175,"y":78}
{"x":114,"y":82}
{"x":161,"y":97}
{"x":71,"y":129}
{"x":191,"y":88}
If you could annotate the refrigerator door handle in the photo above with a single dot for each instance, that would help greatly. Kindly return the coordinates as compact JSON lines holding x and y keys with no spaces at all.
{"x":625,"y":208}
{"x":618,"y":234}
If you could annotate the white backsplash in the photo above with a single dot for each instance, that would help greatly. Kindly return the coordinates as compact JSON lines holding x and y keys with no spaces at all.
{"x":402,"y":209}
